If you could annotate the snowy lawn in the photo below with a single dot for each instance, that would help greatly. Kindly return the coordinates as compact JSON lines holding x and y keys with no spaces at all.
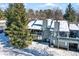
{"x":36,"y":49}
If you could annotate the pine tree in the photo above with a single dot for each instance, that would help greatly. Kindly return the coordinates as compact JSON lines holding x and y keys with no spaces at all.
{"x":70,"y":13}
{"x":17,"y":28}
{"x":2,"y":17}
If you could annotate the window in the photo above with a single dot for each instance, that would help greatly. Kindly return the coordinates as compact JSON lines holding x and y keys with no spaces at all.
{"x":63,"y":34}
{"x":39,"y":32}
{"x":73,"y":34}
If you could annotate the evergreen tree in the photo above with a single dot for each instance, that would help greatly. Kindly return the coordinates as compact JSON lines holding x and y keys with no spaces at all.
{"x":2,"y":17}
{"x":70,"y":13}
{"x":17,"y":28}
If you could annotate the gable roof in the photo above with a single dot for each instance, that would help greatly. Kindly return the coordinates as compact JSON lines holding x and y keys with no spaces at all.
{"x":37,"y":24}
{"x":73,"y":27}
{"x":63,"y":26}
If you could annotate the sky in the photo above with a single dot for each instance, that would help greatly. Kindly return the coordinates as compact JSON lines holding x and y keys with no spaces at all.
{"x":38,"y":6}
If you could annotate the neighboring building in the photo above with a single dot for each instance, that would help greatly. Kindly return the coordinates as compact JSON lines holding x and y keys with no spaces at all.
{"x":2,"y":25}
{"x":66,"y":36}
{"x":36,"y":28}
{"x":74,"y":30}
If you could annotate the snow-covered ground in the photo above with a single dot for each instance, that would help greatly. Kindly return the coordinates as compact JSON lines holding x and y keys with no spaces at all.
{"x":36,"y":49}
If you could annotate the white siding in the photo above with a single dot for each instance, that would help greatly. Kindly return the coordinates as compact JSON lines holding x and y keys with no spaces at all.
{"x":2,"y":24}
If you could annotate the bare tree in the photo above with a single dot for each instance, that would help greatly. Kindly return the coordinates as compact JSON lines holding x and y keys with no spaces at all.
{"x":58,"y":14}
{"x":48,"y":13}
{"x":31,"y":14}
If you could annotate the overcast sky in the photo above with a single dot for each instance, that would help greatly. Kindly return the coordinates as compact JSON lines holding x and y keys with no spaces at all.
{"x":38,"y":6}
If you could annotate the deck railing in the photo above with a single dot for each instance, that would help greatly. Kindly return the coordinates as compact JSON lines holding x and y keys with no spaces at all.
{"x":68,"y":38}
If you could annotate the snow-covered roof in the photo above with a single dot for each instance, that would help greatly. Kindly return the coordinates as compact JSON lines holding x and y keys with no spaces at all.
{"x":78,"y":25}
{"x":49,"y":22}
{"x":63,"y":26}
{"x":52,"y":25}
{"x":36,"y":27}
{"x":2,"y":24}
{"x":37,"y":24}
{"x":3,"y":21}
{"x":30,"y":24}
{"x":73,"y":27}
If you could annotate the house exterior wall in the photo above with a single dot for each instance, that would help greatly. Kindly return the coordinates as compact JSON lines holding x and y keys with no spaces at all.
{"x":61,"y":43}
{"x":64,"y":42}
{"x":2,"y":24}
{"x":52,"y":36}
